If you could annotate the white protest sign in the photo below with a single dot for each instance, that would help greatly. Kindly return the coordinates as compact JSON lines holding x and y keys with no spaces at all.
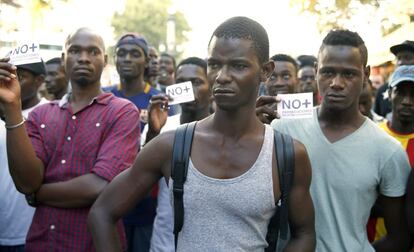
{"x":295,"y":105}
{"x":181,"y":92}
{"x":25,"y":53}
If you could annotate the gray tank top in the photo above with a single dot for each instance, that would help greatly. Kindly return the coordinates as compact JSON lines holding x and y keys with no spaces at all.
{"x":229,"y":214}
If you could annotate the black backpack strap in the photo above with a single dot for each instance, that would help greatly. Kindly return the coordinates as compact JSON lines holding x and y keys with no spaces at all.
{"x":287,"y":177}
{"x":285,"y":158}
{"x":179,"y":166}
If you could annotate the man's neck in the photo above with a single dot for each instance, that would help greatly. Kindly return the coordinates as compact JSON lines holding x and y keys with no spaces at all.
{"x":31,"y":103}
{"x":236,"y":123}
{"x":167,"y":82}
{"x":81,"y":96}
{"x":131,"y":87}
{"x":187,"y":117}
{"x":339,"y":118}
{"x":337,"y":124}
{"x":152,"y":80}
{"x":401,"y":127}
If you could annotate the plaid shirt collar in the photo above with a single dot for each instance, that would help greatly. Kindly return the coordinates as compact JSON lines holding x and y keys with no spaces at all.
{"x":102,"y":98}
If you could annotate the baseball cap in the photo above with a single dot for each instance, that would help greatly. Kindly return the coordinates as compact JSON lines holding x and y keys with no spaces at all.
{"x":135,"y":39}
{"x":37,"y":68}
{"x":402,"y":74}
{"x":407,"y":45}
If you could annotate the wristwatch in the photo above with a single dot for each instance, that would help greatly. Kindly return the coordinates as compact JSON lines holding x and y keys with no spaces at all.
{"x":31,"y":200}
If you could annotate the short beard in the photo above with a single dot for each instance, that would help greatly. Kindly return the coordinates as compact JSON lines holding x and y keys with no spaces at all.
{"x":83,"y":82}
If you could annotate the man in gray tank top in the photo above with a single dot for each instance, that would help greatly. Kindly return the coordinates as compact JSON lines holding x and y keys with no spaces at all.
{"x":232,"y":185}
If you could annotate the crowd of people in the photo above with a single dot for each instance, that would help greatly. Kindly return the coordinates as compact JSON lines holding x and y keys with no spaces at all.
{"x":90,"y":168}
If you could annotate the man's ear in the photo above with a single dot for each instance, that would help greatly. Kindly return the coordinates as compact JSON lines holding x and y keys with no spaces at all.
{"x":367,"y":72}
{"x":105,"y":59}
{"x":267,"y":70}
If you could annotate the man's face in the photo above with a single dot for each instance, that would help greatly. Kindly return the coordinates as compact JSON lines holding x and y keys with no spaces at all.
{"x":166,"y":70}
{"x":85,"y":58}
{"x":55,"y":78}
{"x":28,"y":84}
{"x":235,"y":72}
{"x":283,"y":79}
{"x":130,"y":61}
{"x":201,"y":88}
{"x":340,"y":76}
{"x":307,"y":79}
{"x":153,"y":64}
{"x":405,"y":58}
{"x":402,"y":99}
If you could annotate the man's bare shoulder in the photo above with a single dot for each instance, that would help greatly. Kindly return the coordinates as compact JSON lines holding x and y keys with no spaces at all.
{"x":301,"y":157}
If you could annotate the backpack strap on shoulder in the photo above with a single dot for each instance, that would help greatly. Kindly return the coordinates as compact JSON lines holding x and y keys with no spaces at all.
{"x":179,"y":166}
{"x":287,"y":177}
{"x":285,"y":159}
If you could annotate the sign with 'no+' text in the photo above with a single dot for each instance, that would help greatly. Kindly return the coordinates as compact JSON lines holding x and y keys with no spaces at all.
{"x":25,"y":53}
{"x":180,"y":93}
{"x":295,"y":105}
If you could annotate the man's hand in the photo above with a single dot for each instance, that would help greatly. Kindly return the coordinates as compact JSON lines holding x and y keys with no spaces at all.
{"x":157,"y":113}
{"x":9,"y":85}
{"x":266,"y":108}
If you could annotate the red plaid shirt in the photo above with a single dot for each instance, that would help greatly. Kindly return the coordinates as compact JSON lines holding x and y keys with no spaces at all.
{"x":102,"y":138}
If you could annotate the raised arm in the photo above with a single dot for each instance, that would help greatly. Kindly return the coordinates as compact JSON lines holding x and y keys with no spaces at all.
{"x":301,"y":212}
{"x":127,"y":189}
{"x":157,"y":115}
{"x":26,"y":169}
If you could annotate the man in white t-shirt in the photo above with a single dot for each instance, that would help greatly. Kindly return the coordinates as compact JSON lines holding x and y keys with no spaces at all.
{"x":15,"y":214}
{"x":353,"y":161}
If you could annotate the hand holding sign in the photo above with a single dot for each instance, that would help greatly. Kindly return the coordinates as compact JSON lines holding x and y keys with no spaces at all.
{"x":266,"y":108}
{"x":157,"y":112}
{"x":180,"y":93}
{"x":9,"y":85}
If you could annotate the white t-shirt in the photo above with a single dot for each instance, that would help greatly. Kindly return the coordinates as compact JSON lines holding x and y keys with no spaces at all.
{"x":15,"y":214}
{"x":347,"y":177}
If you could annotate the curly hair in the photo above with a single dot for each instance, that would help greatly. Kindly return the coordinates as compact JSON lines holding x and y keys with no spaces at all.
{"x":245,"y":28}
{"x":346,"y":38}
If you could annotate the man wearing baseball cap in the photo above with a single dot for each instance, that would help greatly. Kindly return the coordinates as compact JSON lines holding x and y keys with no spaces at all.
{"x":401,"y":126}
{"x":401,"y":93}
{"x":15,"y":214}
{"x":404,"y":54}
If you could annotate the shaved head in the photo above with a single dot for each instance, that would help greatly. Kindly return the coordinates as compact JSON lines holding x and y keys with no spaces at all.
{"x":85,"y":30}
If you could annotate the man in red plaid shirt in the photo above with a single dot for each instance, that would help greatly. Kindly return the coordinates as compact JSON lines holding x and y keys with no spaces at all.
{"x":70,"y":149}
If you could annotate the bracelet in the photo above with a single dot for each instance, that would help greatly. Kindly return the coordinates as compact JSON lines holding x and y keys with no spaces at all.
{"x":10,"y":127}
